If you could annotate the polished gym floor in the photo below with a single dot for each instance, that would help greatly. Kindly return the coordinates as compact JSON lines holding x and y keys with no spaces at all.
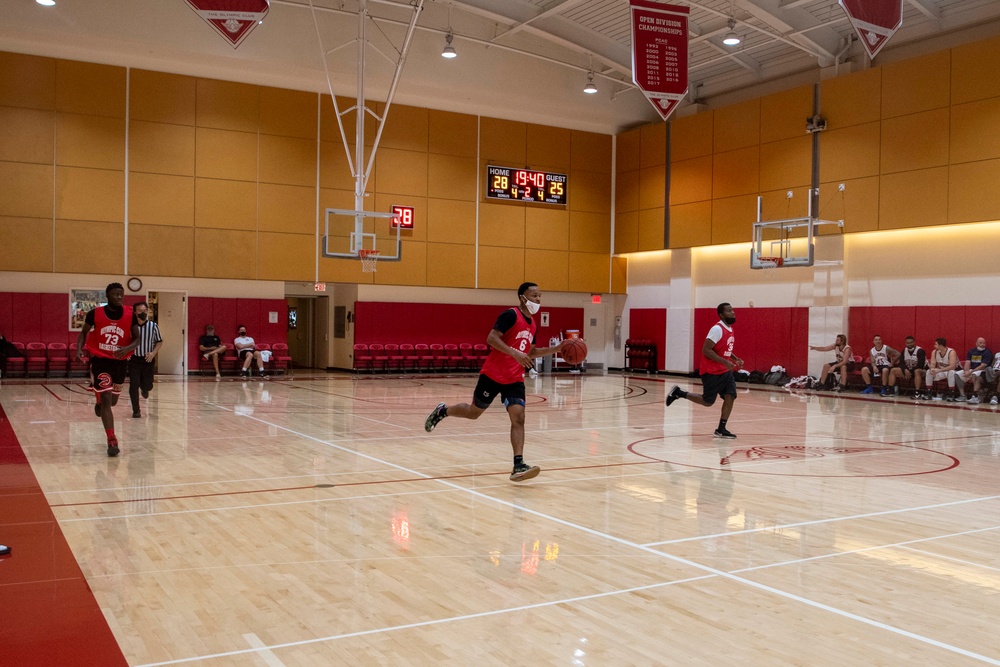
{"x":310,"y":520}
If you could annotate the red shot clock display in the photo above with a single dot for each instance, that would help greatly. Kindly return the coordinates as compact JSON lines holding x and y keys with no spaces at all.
{"x":402,"y":217}
{"x":527,"y":185}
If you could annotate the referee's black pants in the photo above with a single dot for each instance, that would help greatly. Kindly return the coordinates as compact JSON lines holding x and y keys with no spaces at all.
{"x":140,"y":376}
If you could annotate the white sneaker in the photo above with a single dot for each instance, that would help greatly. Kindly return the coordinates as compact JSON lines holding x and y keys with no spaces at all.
{"x":960,"y":398}
{"x":974,"y":400}
{"x":994,"y":401}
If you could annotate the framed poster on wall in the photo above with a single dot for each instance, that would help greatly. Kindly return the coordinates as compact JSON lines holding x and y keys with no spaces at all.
{"x":82,"y":301}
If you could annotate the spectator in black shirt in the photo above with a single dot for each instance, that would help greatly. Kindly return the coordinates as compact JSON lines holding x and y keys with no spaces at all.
{"x":211,"y":348}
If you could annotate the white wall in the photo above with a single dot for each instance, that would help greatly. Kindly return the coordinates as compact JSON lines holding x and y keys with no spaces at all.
{"x":11,"y":281}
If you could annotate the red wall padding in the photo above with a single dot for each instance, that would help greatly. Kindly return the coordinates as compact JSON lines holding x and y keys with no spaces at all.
{"x":227,"y":314}
{"x":650,"y":324}
{"x":379,"y":322}
{"x":960,"y":325}
{"x":32,"y":317}
{"x":765,"y":337}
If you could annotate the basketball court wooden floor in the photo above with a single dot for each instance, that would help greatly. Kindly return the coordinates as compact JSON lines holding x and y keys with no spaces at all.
{"x":312,"y":521}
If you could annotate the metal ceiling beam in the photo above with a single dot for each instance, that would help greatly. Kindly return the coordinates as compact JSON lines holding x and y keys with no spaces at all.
{"x":555,"y":9}
{"x":811,"y":35}
{"x":927,"y":8}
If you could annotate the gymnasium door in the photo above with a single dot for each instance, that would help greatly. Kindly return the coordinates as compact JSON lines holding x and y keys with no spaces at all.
{"x":300,"y":344}
{"x":170,"y":314}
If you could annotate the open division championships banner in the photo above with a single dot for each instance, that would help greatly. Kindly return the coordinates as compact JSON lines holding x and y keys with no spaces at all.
{"x":233,"y":19}
{"x":660,"y":53}
{"x":874,"y":20}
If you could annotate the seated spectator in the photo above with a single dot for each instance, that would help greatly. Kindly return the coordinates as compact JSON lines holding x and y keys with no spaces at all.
{"x":978,"y":360}
{"x":986,"y":383}
{"x":246,"y":350}
{"x":843,"y":365}
{"x":881,"y":358}
{"x":211,"y":348}
{"x":911,"y":364}
{"x":940,"y":366}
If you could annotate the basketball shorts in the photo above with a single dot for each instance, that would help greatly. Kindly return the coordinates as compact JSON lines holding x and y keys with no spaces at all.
{"x":716,"y":385}
{"x":244,"y":353}
{"x":487,"y":389}
{"x":879,"y":369}
{"x":108,"y":374}
{"x":849,"y":368}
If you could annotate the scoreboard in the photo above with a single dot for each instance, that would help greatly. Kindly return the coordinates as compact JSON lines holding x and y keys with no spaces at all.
{"x":526,"y":185}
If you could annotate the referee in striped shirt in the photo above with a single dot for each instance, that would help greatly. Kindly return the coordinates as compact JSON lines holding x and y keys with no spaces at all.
{"x":140,"y":365}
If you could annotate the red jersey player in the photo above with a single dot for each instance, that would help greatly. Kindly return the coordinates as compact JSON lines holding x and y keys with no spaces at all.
{"x":717,"y":365}
{"x":110,"y":333}
{"x":513,"y":341}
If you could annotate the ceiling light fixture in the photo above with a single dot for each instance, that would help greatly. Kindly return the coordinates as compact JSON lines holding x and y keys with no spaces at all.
{"x":590,"y":88}
{"x":731,"y":38}
{"x":449,"y":50}
{"x":46,"y":3}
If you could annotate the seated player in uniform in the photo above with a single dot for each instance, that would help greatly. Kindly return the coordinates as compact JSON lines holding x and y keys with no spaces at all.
{"x":843,"y":365}
{"x":940,"y":366}
{"x":909,"y":365}
{"x":881,"y":358}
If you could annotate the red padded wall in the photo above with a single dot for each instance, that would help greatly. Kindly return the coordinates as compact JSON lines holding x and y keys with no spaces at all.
{"x":226,"y":314}
{"x":765,"y":337}
{"x":650,"y":324}
{"x":959,"y":325}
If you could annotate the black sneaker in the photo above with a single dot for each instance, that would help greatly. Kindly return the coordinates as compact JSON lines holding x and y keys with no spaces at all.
{"x":136,"y":414}
{"x":723,"y":433}
{"x":435,"y":417}
{"x":243,"y":374}
{"x":262,"y":375}
{"x":145,"y":394}
{"x":523,"y":472}
{"x":673,"y":395}
{"x":112,"y":446}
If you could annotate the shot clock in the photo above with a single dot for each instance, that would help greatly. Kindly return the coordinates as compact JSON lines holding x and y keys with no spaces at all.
{"x":526,"y":185}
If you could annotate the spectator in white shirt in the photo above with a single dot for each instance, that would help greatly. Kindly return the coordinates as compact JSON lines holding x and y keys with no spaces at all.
{"x":247,"y":352}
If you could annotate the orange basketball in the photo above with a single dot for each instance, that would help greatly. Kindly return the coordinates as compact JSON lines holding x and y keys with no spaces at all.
{"x":575,"y":351}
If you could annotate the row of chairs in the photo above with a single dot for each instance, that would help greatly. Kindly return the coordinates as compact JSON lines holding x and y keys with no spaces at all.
{"x":419,"y":357}
{"x":230,"y":363}
{"x":45,"y":360}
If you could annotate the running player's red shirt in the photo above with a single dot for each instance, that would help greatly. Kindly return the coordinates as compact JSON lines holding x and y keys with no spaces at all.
{"x":724,"y":341}
{"x":108,"y":335}
{"x":503,"y":368}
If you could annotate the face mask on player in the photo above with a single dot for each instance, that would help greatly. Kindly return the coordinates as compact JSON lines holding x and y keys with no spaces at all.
{"x":532,"y":306}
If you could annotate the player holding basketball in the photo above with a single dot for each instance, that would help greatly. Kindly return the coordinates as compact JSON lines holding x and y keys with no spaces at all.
{"x":717,"y":366}
{"x":110,"y":334}
{"x":513,"y":341}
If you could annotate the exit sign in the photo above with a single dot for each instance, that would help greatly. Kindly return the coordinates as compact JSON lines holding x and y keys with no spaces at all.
{"x":320,"y":287}
{"x":402,"y":217}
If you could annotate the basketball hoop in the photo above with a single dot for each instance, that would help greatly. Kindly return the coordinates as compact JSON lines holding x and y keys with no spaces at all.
{"x":369,"y":258}
{"x":770,"y":262}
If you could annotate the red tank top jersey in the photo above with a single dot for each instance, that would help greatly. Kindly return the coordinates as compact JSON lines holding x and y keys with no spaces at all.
{"x":723,"y":347}
{"x":108,"y":335}
{"x":503,"y":368}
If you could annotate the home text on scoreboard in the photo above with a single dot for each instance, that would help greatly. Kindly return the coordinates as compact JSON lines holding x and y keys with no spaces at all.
{"x":525,"y":185}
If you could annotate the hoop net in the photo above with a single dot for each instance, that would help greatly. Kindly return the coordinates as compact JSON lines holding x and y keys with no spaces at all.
{"x":770,"y":262}
{"x":369,"y":259}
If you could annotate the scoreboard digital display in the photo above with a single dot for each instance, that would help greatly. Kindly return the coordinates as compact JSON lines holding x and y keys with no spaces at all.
{"x":514,"y":184}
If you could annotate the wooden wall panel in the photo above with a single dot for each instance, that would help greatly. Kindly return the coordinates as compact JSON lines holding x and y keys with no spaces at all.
{"x":916,"y":141}
{"x":973,"y":71}
{"x":852,"y":152}
{"x":916,"y":84}
{"x":627,"y":191}
{"x":225,"y":204}
{"x":733,"y":218}
{"x":286,"y":208}
{"x":383,"y":226}
{"x":27,"y":244}
{"x":914,"y":199}
{"x":651,"y":229}
{"x":589,"y":272}
{"x":591,"y":191}
{"x":974,"y":133}
{"x":26,"y":135}
{"x":26,"y":191}
{"x":627,"y":232}
{"x":548,"y":148}
{"x":411,"y":271}
{"x":452,"y":133}
{"x":451,"y":265}
{"x":89,"y":247}
{"x":334,"y":170}
{"x":786,"y":164}
{"x":590,"y":152}
{"x":401,"y":172}
{"x":225,"y":253}
{"x":288,"y":113}
{"x":89,"y":88}
{"x":407,"y":128}
{"x":691,"y":224}
{"x":157,"y":199}
{"x":501,"y":225}
{"x":590,"y":232}
{"x":973,"y":195}
{"x":652,"y":145}
{"x":161,"y":148}
{"x":450,"y":221}
{"x":90,"y":194}
{"x":27,"y":81}
{"x":776,"y":205}
{"x":627,"y":150}
{"x":503,"y":142}
{"x":736,"y":126}
{"x":451,"y":177}
{"x":159,"y":97}
{"x":226,"y":105}
{"x":343,"y":271}
{"x":857,"y":206}
{"x":286,"y":256}
{"x":652,"y":187}
{"x":736,"y":172}
{"x":97,"y":142}
{"x":328,"y":129}
{"x":548,"y":268}
{"x":783,"y":115}
{"x":155,"y":250}
{"x":546,"y":228}
{"x":691,"y":180}
{"x":226,"y":154}
{"x":287,"y":160}
{"x":619,"y":275}
{"x":500,"y":268}
{"x":854,"y":99}
{"x":692,"y":136}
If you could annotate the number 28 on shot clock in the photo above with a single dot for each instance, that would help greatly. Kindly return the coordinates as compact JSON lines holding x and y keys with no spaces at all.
{"x":525,"y":185}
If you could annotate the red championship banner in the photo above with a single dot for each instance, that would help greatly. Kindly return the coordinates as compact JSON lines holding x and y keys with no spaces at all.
{"x":874,"y":20}
{"x":233,"y":19}
{"x":660,"y":53}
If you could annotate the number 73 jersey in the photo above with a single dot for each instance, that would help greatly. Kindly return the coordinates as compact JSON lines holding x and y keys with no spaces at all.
{"x":108,"y":335}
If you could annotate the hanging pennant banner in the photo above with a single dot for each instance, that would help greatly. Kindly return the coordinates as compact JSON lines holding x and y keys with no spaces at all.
{"x":874,"y":20}
{"x":660,"y":53}
{"x":233,"y":19}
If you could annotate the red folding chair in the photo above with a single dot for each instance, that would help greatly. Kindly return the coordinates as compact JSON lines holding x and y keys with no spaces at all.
{"x":362,"y":357}
{"x":394,"y":360}
{"x":454,"y":356}
{"x":37,"y":359}
{"x":16,"y":366}
{"x":469,"y":356}
{"x":380,"y":360}
{"x":440,"y":357}
{"x":58,"y":358}
{"x":424,"y":356}
{"x":281,"y":359}
{"x":411,"y":360}
{"x":482,"y":351}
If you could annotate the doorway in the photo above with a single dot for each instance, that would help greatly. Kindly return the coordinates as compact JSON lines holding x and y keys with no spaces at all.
{"x":169,"y":311}
{"x":309,"y":339}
